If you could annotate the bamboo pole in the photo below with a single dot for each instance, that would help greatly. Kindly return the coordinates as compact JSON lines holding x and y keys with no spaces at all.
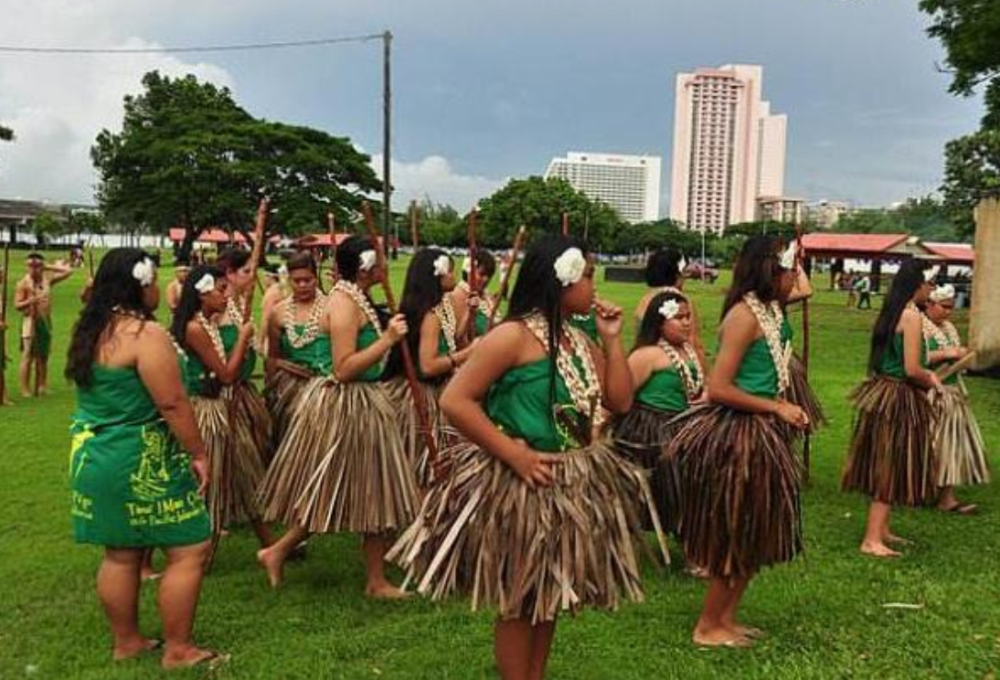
{"x":259,"y":234}
{"x":3,"y":325}
{"x":470,"y":329}
{"x":505,"y":281}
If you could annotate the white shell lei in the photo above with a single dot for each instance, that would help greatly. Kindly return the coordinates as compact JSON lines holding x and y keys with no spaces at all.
{"x":770,"y":319}
{"x":694,"y":381}
{"x":351,"y":290}
{"x":212,"y":329}
{"x":486,"y":302}
{"x":311,"y":330}
{"x":584,"y":387}
{"x":946,"y":335}
{"x":445,"y":313}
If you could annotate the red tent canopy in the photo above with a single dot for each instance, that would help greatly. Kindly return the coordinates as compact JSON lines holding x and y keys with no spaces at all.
{"x":215,"y":235}
{"x":954,"y":253}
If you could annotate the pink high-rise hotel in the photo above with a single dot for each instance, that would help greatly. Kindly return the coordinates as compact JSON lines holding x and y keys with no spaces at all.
{"x":729,"y":150}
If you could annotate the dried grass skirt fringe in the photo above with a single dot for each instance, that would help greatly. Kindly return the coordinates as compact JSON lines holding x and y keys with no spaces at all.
{"x":341,"y":465}
{"x":740,"y":508}
{"x":236,"y":431}
{"x":641,"y":436}
{"x":958,"y":441}
{"x":892,"y":457}
{"x":530,"y":553}
{"x":281,"y":392}
{"x":413,"y":440}
{"x":801,"y":393}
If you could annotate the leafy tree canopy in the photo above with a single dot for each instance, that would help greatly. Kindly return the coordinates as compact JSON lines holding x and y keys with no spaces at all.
{"x":189,"y":155}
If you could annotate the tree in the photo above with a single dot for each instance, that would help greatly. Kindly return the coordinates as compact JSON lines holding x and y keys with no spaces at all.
{"x":971,"y":173}
{"x":539,"y":204}
{"x":47,"y":225}
{"x":439,"y":224}
{"x":969,"y":30}
{"x":188,"y":155}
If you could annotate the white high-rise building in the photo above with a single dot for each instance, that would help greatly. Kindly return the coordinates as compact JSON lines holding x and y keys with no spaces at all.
{"x":729,"y":149}
{"x":629,"y":184}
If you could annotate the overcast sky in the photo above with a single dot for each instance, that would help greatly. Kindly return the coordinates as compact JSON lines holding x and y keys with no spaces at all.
{"x":489,"y":89}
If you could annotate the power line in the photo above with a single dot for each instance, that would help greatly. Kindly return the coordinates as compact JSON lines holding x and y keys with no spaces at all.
{"x":244,"y":47}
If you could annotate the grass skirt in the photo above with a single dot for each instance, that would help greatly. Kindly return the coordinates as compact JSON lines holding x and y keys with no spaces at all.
{"x":801,"y":393}
{"x":235,"y":430}
{"x":341,"y":465}
{"x":413,"y":440}
{"x":891,"y":457}
{"x":641,"y":436}
{"x":282,"y":391}
{"x":740,"y":508}
{"x":958,"y":443}
{"x":530,"y":553}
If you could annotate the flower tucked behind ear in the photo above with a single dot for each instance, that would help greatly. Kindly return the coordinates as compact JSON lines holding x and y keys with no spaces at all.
{"x":788,"y":256}
{"x":942,"y":293}
{"x":144,"y":271}
{"x":570,"y":266}
{"x":368,"y":260}
{"x":442,"y":265}
{"x":930,"y":273}
{"x":669,"y":309}
{"x":205,"y":285}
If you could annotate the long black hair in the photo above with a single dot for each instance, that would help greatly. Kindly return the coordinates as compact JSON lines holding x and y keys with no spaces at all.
{"x":663,"y":268}
{"x":652,"y":320}
{"x":115,"y":288}
{"x":484,"y":261}
{"x":190,"y":302}
{"x":231,"y":259}
{"x":537,"y":290}
{"x":349,"y":257}
{"x":757,"y":271}
{"x":906,"y":284}
{"x":421,"y":293}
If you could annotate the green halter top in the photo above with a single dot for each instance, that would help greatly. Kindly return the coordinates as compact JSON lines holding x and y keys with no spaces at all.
{"x":367,"y":336}
{"x":518,"y":403}
{"x":315,"y":355}
{"x":664,"y":391}
{"x":230,"y":334}
{"x":892,"y":358}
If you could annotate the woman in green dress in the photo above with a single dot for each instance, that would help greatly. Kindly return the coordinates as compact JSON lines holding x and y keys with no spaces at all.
{"x":891,"y":457}
{"x":438,"y":345}
{"x":958,"y":442}
{"x":669,"y":378}
{"x":216,"y":376}
{"x":138,"y":466}
{"x":464,"y":298}
{"x":538,"y":516}
{"x":739,"y":477}
{"x":298,"y":344}
{"x":342,"y":466}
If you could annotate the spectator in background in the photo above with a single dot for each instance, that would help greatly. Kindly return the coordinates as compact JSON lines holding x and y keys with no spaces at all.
{"x":847,"y":283}
{"x":864,"y":288}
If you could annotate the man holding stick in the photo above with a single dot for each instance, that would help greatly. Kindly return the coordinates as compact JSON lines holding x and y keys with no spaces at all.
{"x":32,"y":298}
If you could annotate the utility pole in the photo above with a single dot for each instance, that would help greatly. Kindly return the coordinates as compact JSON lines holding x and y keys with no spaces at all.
{"x":387,"y":139}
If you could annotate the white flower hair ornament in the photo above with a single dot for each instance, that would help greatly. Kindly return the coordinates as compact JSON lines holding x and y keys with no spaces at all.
{"x":569,"y":266}
{"x":368,"y":260}
{"x":283,"y":270}
{"x":467,"y":265}
{"x":669,"y":309}
{"x":788,"y":256}
{"x":205,"y":285}
{"x":682,"y":264}
{"x":942,"y":293}
{"x":144,"y":271}
{"x":442,"y":265}
{"x":930,"y":273}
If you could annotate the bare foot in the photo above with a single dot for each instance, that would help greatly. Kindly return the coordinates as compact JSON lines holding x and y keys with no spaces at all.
{"x":898,"y":540}
{"x":748,"y":631}
{"x":386,"y":591}
{"x":193,"y":656}
{"x":878,"y":550}
{"x":274,"y":565}
{"x":134,"y":649}
{"x":720,"y":637}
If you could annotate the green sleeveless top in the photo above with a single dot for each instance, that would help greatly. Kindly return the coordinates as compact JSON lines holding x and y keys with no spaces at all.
{"x":757,"y":374}
{"x":130,"y":481}
{"x":933,"y":346}
{"x":892,"y":358}
{"x":316,"y":355}
{"x":586,"y":323}
{"x":367,"y":336}
{"x":481,"y":322}
{"x":230,"y":334}
{"x":518,"y":404}
{"x":664,"y":391}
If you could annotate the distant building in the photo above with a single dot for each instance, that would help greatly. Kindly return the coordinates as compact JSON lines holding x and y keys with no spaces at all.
{"x":729,"y":149}
{"x":780,"y":209}
{"x":630,"y":184}
{"x":826,"y":214}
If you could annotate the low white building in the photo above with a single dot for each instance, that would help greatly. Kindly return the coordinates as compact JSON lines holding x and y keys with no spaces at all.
{"x":629,"y":184}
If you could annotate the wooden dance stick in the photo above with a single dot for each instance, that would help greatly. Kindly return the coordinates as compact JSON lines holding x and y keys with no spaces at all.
{"x":565,"y":224}
{"x":423,"y":417}
{"x":259,"y":233}
{"x":470,"y":330}
{"x":331,"y":230}
{"x":415,"y":225}
{"x":962,"y":364}
{"x":505,"y":282}
{"x":3,"y":325}
{"x":806,"y":346}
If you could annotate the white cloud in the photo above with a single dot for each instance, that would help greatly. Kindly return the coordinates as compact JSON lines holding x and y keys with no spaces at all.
{"x":434,"y":177}
{"x":56,"y":104}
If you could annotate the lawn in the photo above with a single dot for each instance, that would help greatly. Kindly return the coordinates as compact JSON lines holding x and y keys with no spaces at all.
{"x":826,"y":613}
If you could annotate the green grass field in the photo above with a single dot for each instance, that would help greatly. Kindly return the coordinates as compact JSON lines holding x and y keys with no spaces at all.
{"x":825,"y":613}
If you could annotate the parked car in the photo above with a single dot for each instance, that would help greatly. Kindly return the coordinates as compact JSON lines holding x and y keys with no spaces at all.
{"x":701,"y":271}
